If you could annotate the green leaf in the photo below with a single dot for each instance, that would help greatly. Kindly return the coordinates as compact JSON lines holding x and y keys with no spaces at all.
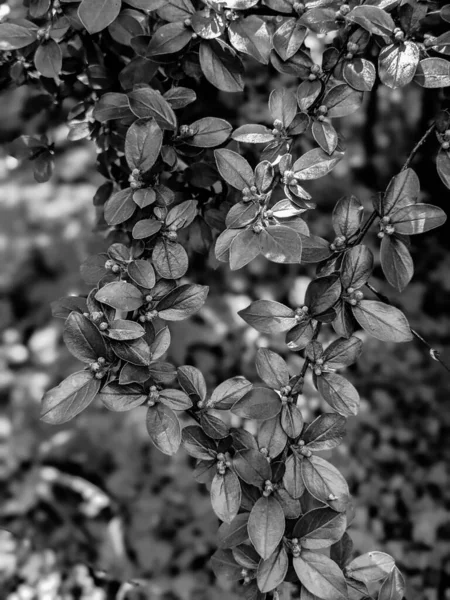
{"x":272,"y":571}
{"x":288,"y":38}
{"x":175,"y":399}
{"x":83,"y":339}
{"x":342,"y":551}
{"x":62,"y":308}
{"x":168,"y":39}
{"x":347,"y":216}
{"x":396,"y":262}
{"x":443,"y":166}
{"x":253,"y":134}
{"x":226,"y":496}
{"x":283,"y":106}
{"x":307,"y":93}
{"x":397,"y":64}
{"x":320,"y":576}
{"x":357,"y":267}
{"x":384,"y":322}
{"x":292,"y":478}
{"x":192,"y":381}
{"x":180,"y":97}
{"x":242,"y":214}
{"x":251,"y":35}
{"x":69,"y":398}
{"x":226,"y":394}
{"x":372,"y":18}
{"x":136,"y":352}
{"x":146,"y":227}
{"x":208,"y":24}
{"x":315,"y":163}
{"x":393,"y":587}
{"x":259,"y":403}
{"x":325,"y":135}
{"x":326,"y":432}
{"x":360,"y":74}
{"x":164,"y":428}
{"x":142,"y":273}
{"x":112,"y":106}
{"x":324,"y":482}
{"x":224,"y":565}
{"x":266,"y":526}
{"x":272,"y":437}
{"x":342,"y":100}
{"x":234,"y":169}
{"x":244,"y":248}
{"x":147,"y":103}
{"x":291,"y":420}
{"x":198,"y":444}
{"x":120,"y":398}
{"x":268,"y":316}
{"x":320,"y":528}
{"x":342,"y":352}
{"x":170,"y":259}
{"x":96,"y":15}
{"x":403,"y":189}
{"x":120,"y":295}
{"x":417,"y":218}
{"x":182,"y":302}
{"x":221,"y":66}
{"x":433,"y":73}
{"x":143,"y":144}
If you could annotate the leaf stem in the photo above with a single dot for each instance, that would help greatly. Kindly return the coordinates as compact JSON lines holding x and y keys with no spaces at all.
{"x":416,"y":148}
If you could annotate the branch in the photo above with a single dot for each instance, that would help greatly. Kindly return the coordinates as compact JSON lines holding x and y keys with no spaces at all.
{"x":416,"y":148}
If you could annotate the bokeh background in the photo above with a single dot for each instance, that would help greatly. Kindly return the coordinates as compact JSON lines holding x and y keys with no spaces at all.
{"x":90,"y":505}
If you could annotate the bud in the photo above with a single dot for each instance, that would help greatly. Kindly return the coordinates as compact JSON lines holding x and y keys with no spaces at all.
{"x":278,"y":124}
{"x":109,"y":264}
{"x":399,"y":35}
{"x":94,"y":367}
{"x":103,"y":326}
{"x":322,"y":110}
{"x":315,"y":69}
{"x":115,"y":269}
{"x":187,"y":22}
{"x":312,"y":77}
{"x":172,"y":236}
{"x":258,"y":227}
{"x":99,"y":375}
{"x":148,"y":298}
{"x":445,"y":145}
{"x":344,"y":9}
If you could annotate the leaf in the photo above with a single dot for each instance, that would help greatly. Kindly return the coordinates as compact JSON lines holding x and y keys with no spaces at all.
{"x":325,"y":135}
{"x":96,"y":15}
{"x":320,"y":528}
{"x":433,"y":73}
{"x":320,"y":576}
{"x":180,"y":97}
{"x":182,"y":302}
{"x":342,"y":551}
{"x":253,"y":134}
{"x":62,"y":308}
{"x":372,"y":18}
{"x":315,"y":163}
{"x":208,"y":24}
{"x":244,"y":248}
{"x":221,"y":66}
{"x":268,"y":316}
{"x":393,"y":588}
{"x":271,"y":572}
{"x":112,"y":106}
{"x":146,"y":227}
{"x":48,"y":59}
{"x":233,"y":534}
{"x":357,"y":267}
{"x":198,"y":444}
{"x":224,"y":565}
{"x":384,"y":322}
{"x":143,"y":144}
{"x":417,"y":218}
{"x":326,"y":432}
{"x":360,"y":74}
{"x":272,"y":368}
{"x":142,"y":273}
{"x":175,"y":399}
{"x":403,"y":189}
{"x":397,"y":64}
{"x":192,"y":382}
{"x":120,"y":398}
{"x":14,"y":36}
{"x":168,"y":39}
{"x":93,"y":269}
{"x":147,"y":103}
{"x":443,"y":167}
{"x":242,"y":214}
{"x":322,"y":294}
{"x":266,"y":526}
{"x":288,"y":38}
{"x":342,"y":100}
{"x":307,"y":93}
{"x":324,"y":482}
{"x":396,"y":262}
{"x":83,"y":339}
{"x":283,"y":106}
{"x":252,"y":467}
{"x":234,"y":169}
{"x":164,"y":428}
{"x":226,"y":496}
{"x":347,"y":216}
{"x":272,"y":437}
{"x":280,"y":244}
{"x":120,"y":295}
{"x":136,"y":352}
{"x":125,"y":330}
{"x":259,"y":403}
{"x":120,"y":207}
{"x":291,"y":420}
{"x":226,"y":394}
{"x":251,"y":35}
{"x":209,"y":132}
{"x":292,"y":478}
{"x":69,"y":398}
{"x":169,"y":259}
{"x":370,"y":567}
{"x":342,"y":352}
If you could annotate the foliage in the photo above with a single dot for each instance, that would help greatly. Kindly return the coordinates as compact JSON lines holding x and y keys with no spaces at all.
{"x":177,"y":186}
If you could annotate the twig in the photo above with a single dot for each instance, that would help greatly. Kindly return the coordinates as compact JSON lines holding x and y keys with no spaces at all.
{"x":416,"y":148}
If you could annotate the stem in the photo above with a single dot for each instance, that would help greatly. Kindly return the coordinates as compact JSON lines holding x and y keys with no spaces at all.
{"x":435,"y":354}
{"x":416,"y":148}
{"x":298,"y":389}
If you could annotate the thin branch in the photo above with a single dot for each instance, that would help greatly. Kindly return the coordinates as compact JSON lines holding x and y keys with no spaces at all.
{"x":416,"y":148}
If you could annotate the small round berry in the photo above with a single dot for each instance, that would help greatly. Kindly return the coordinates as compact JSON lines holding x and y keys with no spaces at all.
{"x":322,"y":110}
{"x":380,"y":234}
{"x":86,"y":314}
{"x":101,"y":360}
{"x":332,"y":247}
{"x":103,"y":326}
{"x":299,"y":7}
{"x":352,"y":47}
{"x":389,"y":229}
{"x":244,"y":572}
{"x":305,"y":309}
{"x":349,"y":56}
{"x":221,"y":456}
{"x":135,"y":185}
{"x":258,"y":227}
{"x":247,"y":579}
{"x":359,"y":295}
{"x":353,"y":302}
{"x":194,"y":36}
{"x":319,"y":361}
{"x":99,"y":375}
{"x":115,"y":269}
{"x":350,"y":290}
{"x":340,"y":241}
{"x":109,"y":264}
{"x":315,"y":69}
{"x":142,"y":319}
{"x":399,"y":35}
{"x":312,"y":77}
{"x":344,"y":9}
{"x":254,"y":189}
{"x":264,"y":451}
{"x":187,"y":22}
{"x":246,"y":191}
{"x":135,"y":173}
{"x":148,"y":298}
{"x":278,"y":124}
{"x":172,"y":236}
{"x":94,"y":367}
{"x":385,"y":220}
{"x":445,"y":145}
{"x":317,"y":371}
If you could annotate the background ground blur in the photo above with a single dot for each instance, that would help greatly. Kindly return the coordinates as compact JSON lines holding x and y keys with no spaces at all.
{"x":94,"y":495}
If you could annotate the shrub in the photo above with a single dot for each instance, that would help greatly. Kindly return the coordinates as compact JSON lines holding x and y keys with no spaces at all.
{"x":178,"y":184}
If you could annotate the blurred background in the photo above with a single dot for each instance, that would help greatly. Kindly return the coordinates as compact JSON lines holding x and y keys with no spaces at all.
{"x":91,"y":504}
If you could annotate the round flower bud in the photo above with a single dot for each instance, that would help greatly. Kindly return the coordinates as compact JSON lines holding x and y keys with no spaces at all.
{"x":380,"y":234}
{"x":258,"y":227}
{"x":359,"y":295}
{"x":103,"y":326}
{"x":319,"y":361}
{"x":445,"y":145}
{"x":278,"y":124}
{"x":399,"y":35}
{"x":349,"y":55}
{"x":115,"y":269}
{"x":246,"y":191}
{"x":386,"y":220}
{"x":94,"y":367}
{"x":109,"y":264}
{"x":194,"y":36}
{"x":312,"y":77}
{"x":268,"y":214}
{"x":101,"y":360}
{"x":99,"y":375}
{"x":352,"y":47}
{"x":389,"y":229}
{"x":142,"y":319}
{"x":317,"y":371}
{"x":447,"y":134}
{"x":148,"y":298}
{"x":340,"y":241}
{"x":86,"y":314}
{"x":187,"y":22}
{"x":322,"y":110}
{"x":244,"y":572}
{"x":299,"y":7}
{"x":172,"y":236}
{"x":353,"y":302}
{"x":315,"y":69}
{"x":350,"y":290}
